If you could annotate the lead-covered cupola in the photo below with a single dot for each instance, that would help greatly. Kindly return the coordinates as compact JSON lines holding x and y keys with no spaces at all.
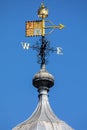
{"x":43,"y":118}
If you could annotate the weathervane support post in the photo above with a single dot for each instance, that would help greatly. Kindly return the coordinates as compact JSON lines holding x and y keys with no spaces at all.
{"x":43,"y":13}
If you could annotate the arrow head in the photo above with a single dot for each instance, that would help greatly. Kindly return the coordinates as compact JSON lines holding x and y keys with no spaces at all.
{"x":61,"y":26}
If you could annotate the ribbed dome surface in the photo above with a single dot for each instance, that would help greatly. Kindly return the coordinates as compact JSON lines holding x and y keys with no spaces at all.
{"x":43,"y":118}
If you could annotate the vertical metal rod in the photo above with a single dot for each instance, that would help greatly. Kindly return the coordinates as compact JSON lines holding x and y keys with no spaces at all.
{"x":42,"y":51}
{"x":43,"y":27}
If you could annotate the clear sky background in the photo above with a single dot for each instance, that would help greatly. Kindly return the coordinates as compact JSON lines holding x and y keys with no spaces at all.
{"x":68,"y":97}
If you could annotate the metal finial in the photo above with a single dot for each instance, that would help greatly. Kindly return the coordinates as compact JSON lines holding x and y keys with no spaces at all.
{"x":42,"y":11}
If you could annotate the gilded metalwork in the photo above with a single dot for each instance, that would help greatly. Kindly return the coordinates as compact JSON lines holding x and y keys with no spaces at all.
{"x":34,"y":28}
{"x":43,"y":11}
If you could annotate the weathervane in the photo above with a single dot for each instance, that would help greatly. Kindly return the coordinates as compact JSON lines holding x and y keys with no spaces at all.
{"x":38,"y":28}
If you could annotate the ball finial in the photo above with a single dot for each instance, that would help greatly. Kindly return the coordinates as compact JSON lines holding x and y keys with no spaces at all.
{"x":42,"y":11}
{"x":43,"y":79}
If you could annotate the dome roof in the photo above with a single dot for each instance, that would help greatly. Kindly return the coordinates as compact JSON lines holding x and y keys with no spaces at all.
{"x":43,"y":118}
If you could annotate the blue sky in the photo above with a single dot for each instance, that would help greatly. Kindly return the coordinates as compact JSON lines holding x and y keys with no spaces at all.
{"x":68,"y":97}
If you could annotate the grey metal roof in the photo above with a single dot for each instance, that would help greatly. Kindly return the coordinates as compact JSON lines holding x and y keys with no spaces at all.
{"x":43,"y":117}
